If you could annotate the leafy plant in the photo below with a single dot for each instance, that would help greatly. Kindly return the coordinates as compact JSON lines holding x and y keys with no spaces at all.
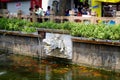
{"x":99,"y":31}
{"x":29,"y":29}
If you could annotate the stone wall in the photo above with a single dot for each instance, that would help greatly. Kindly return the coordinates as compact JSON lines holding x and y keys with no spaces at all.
{"x":96,"y":55}
{"x":92,"y":53}
{"x":21,"y":43}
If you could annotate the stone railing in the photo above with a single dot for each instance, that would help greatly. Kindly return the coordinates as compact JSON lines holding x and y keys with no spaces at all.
{"x":87,"y":19}
{"x":60,"y":19}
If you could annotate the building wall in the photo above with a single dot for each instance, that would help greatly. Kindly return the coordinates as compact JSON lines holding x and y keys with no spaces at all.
{"x":47,"y":3}
{"x":13,"y":7}
{"x":96,"y":7}
{"x":25,"y":5}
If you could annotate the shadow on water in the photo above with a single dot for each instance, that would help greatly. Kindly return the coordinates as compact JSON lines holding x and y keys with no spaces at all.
{"x":28,"y":68}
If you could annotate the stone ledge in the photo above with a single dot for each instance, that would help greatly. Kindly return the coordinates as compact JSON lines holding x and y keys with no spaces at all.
{"x":18,"y":33}
{"x":96,"y":41}
{"x":54,"y":31}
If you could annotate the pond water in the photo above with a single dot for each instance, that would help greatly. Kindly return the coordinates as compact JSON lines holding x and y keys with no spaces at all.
{"x":16,"y":67}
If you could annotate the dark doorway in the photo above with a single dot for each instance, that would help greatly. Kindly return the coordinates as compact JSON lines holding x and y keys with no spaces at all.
{"x":110,"y":9}
{"x":3,"y":5}
{"x":82,"y":3}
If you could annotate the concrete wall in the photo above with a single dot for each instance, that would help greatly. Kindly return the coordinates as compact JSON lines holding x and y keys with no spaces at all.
{"x":97,"y":55}
{"x":102,"y":55}
{"x":13,"y":8}
{"x":21,"y":44}
{"x":46,"y":3}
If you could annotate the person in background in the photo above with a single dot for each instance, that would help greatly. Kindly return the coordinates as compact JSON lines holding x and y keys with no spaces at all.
{"x":75,"y":11}
{"x":31,"y":10}
{"x":79,"y":14}
{"x":67,"y":12}
{"x":84,"y":11}
{"x":88,"y":11}
{"x":33,"y":14}
{"x":47,"y":13}
{"x":39,"y":11}
{"x":80,"y":8}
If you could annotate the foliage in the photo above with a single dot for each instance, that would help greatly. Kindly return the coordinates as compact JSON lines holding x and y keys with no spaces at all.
{"x":98,"y":31}
{"x":28,"y":29}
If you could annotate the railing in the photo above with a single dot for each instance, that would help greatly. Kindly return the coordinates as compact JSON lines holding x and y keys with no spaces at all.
{"x":60,"y":19}
{"x":87,"y":19}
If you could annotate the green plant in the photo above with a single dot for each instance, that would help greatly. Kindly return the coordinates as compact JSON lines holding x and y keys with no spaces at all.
{"x":29,"y":29}
{"x":99,"y":31}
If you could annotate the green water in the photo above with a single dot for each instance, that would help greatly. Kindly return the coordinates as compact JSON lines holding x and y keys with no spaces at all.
{"x":16,"y":67}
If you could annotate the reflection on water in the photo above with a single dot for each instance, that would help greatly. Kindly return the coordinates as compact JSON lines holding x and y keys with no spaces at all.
{"x":27,"y":68}
{"x":1,"y":73}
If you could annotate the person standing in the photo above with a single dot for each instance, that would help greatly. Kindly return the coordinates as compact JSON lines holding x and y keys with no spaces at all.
{"x":39,"y":11}
{"x":47,"y":13}
{"x":67,"y":12}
